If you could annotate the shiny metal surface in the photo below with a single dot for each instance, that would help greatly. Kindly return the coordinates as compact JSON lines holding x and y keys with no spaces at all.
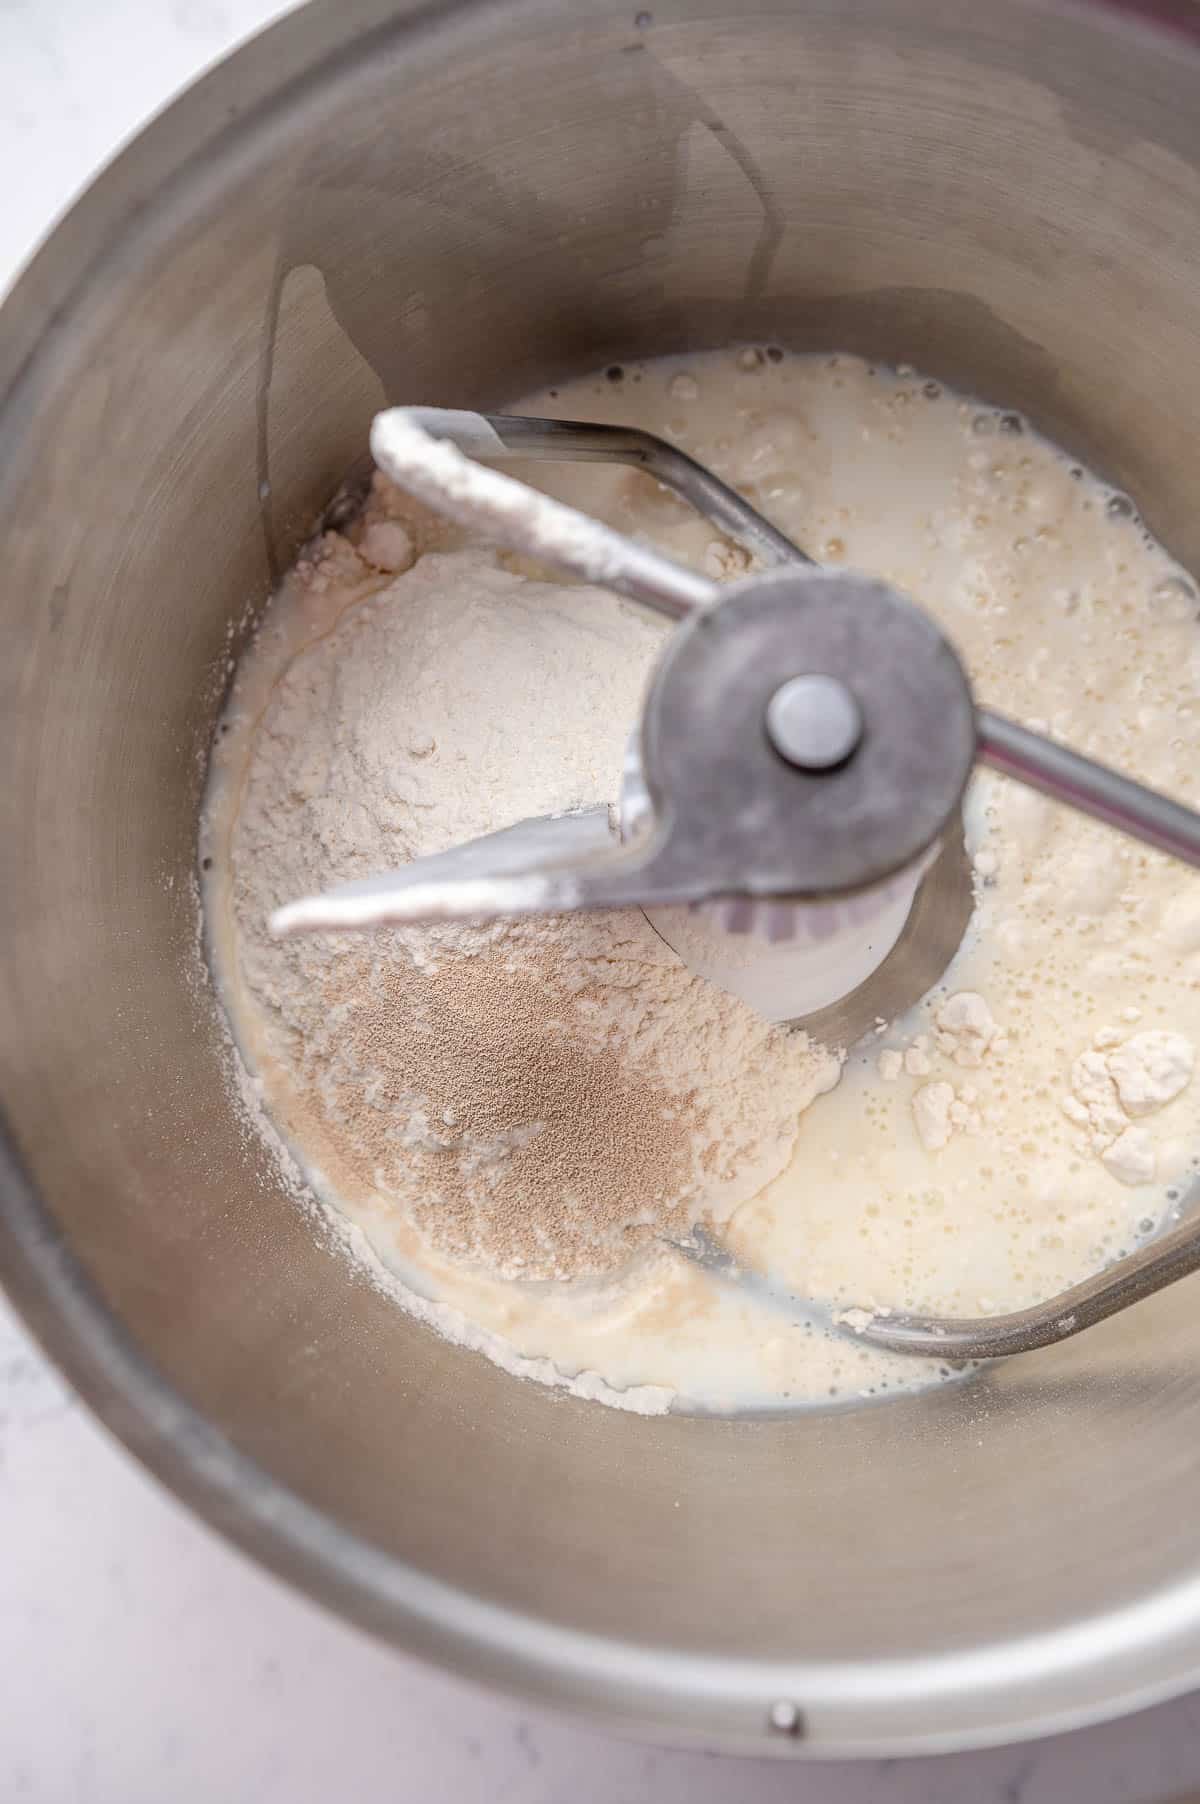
{"x":814,"y":721}
{"x":931,"y":935}
{"x":1141,"y":1274}
{"x":506,"y":437}
{"x":466,"y":202}
{"x":1081,"y":783}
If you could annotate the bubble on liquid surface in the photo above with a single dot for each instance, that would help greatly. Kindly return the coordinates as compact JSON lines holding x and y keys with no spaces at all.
{"x":1175,"y":596}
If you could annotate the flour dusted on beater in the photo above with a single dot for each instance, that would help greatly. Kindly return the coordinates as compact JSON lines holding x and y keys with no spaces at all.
{"x":521,"y":1119}
{"x":439,"y":474}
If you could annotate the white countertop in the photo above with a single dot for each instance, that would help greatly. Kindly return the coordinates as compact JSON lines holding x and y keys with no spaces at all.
{"x":142,"y":1661}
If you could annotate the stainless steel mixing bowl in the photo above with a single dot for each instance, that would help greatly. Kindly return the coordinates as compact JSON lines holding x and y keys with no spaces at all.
{"x":454,"y":203}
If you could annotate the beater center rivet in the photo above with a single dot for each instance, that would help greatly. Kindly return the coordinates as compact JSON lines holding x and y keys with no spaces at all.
{"x":814,"y":722}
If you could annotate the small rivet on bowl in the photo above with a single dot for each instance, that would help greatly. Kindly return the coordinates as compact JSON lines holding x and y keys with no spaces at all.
{"x":784,"y":1718}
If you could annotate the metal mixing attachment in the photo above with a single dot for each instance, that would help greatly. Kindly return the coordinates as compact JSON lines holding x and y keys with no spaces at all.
{"x":797,"y":774}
